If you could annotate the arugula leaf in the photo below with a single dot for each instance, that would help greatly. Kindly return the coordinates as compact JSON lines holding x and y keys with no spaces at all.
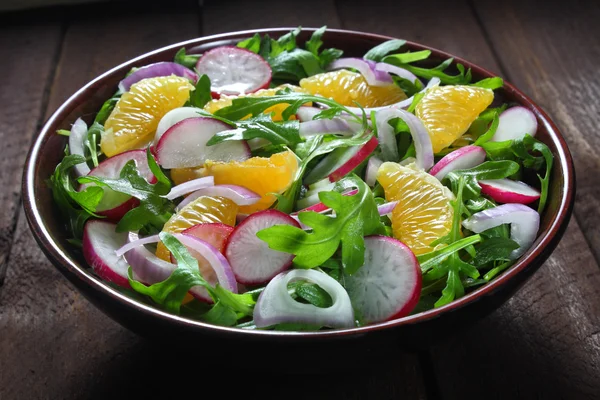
{"x":408,"y":57}
{"x":378,"y":52}
{"x":63,"y":132}
{"x":107,"y":109}
{"x":76,"y":206}
{"x":494,"y":249}
{"x":356,"y":217}
{"x":310,"y":293}
{"x":329,"y":55}
{"x":462,"y":78}
{"x":261,"y":126}
{"x":486,"y":170}
{"x":252,"y":44}
{"x":489,"y":134}
{"x":187,"y":60}
{"x":490,"y":83}
{"x":92,"y":141}
{"x":201,"y":95}
{"x":314,"y":43}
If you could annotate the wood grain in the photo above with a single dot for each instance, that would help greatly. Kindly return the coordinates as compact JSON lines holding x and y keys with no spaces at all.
{"x":28,"y":46}
{"x":552,"y":53}
{"x":543,"y":344}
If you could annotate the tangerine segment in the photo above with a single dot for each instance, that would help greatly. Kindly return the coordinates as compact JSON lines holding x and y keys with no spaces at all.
{"x":448,"y":111}
{"x":261,"y":175}
{"x":182,"y":175}
{"x":135,"y":117}
{"x":205,"y":209}
{"x":224,"y":101}
{"x":423,"y":213}
{"x":346,"y":88}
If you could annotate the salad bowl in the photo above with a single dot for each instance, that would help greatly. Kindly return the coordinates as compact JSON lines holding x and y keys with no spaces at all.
{"x":413,"y":331}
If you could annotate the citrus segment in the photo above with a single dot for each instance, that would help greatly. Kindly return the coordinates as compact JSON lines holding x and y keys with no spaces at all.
{"x":136,"y":115}
{"x":261,"y":175}
{"x":423,"y":213}
{"x":224,"y":101}
{"x":182,"y":175}
{"x":346,"y":88}
{"x":203,"y":210}
{"x":448,"y":111}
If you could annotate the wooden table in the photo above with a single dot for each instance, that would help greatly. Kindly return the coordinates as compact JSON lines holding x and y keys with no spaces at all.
{"x":543,"y":343}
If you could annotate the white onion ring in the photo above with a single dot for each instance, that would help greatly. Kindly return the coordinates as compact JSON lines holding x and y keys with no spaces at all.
{"x":79,"y":131}
{"x":336,"y":126}
{"x":275,"y":305}
{"x":189,"y":187}
{"x":371,"y":172}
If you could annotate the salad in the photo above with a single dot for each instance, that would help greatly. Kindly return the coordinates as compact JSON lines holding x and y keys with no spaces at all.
{"x":274,"y":185}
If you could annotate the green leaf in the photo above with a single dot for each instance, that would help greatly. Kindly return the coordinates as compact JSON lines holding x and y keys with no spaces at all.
{"x":201,"y":94}
{"x":489,"y":134}
{"x":490,"y":83}
{"x":252,"y":44}
{"x":158,"y":173}
{"x":63,"y":132}
{"x":408,"y":57}
{"x":261,"y":126}
{"x":92,"y":142}
{"x":429,"y":260}
{"x":462,"y":78}
{"x":220,"y":314}
{"x":486,"y":170}
{"x":356,"y":217}
{"x":187,"y":60}
{"x":454,"y":288}
{"x":314,"y":43}
{"x":494,"y":249}
{"x":107,"y":109}
{"x":329,"y":55}
{"x":378,"y":52}
{"x":311,"y":293}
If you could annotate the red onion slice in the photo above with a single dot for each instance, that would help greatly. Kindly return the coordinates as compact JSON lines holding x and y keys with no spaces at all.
{"x":524,"y":224}
{"x":371,"y":172}
{"x":307,"y":113}
{"x":387,"y":139}
{"x":335,"y":126}
{"x":76,"y":138}
{"x":401,"y":72}
{"x":386,"y":208}
{"x":189,"y":187}
{"x":367,"y":69}
{"x":147,"y":268}
{"x":154,"y":70}
{"x":133,"y":243}
{"x":238,"y":194}
{"x":276,"y":306}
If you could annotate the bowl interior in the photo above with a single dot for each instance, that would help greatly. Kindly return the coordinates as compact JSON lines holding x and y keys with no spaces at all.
{"x":48,"y":150}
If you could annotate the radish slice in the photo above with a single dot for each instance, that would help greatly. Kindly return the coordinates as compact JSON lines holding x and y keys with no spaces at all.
{"x":154,"y":70}
{"x":184,"y":144}
{"x":341,"y":162}
{"x":234,"y":71}
{"x":189,"y":187}
{"x":367,"y":69}
{"x":515,"y":123}
{"x":323,"y":183}
{"x":387,"y":139}
{"x":276,"y":306}
{"x":251,"y":259}
{"x":100,"y":242}
{"x":509,"y":191}
{"x":401,"y":104}
{"x":371,"y":173}
{"x":334,"y":126}
{"x":114,"y":204}
{"x":79,"y":131}
{"x":238,"y":194}
{"x":388,"y":285}
{"x":463,"y":158}
{"x":401,"y":72}
{"x":174,"y":116}
{"x":524,"y":221}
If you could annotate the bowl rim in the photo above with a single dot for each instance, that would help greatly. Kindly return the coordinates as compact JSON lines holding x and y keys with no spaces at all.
{"x":72,"y":269}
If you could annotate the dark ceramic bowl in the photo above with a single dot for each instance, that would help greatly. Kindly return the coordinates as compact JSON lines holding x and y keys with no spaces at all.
{"x":414,"y":330}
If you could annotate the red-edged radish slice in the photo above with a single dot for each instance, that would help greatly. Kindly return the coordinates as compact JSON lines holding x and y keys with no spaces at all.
{"x":184,"y":144}
{"x":524,"y":224}
{"x":387,"y":138}
{"x":251,"y":259}
{"x":113,"y":204}
{"x":77,"y":137}
{"x":238,"y":194}
{"x":463,"y":158}
{"x":164,"y":68}
{"x":371,"y":172}
{"x":172,"y":117}
{"x":276,"y":306}
{"x":388,"y":285}
{"x":509,"y":191}
{"x":234,"y":71}
{"x":515,"y":123}
{"x":100,"y":242}
{"x":341,"y":162}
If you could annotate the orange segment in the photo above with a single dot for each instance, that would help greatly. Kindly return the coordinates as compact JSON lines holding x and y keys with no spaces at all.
{"x":348,"y":87}
{"x":261,"y":175}
{"x":448,"y":111}
{"x":423,"y":213}
{"x":181,"y":175}
{"x":135,"y":117}
{"x":203,"y":210}
{"x":215,"y":105}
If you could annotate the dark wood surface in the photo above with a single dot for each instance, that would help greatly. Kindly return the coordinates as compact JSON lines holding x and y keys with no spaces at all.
{"x":543,"y":343}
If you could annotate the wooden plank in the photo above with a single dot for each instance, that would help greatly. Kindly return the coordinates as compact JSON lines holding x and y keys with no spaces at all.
{"x":28,"y":45}
{"x":228,"y":16}
{"x":54,"y":343}
{"x":544,"y":343}
{"x":552,"y":53}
